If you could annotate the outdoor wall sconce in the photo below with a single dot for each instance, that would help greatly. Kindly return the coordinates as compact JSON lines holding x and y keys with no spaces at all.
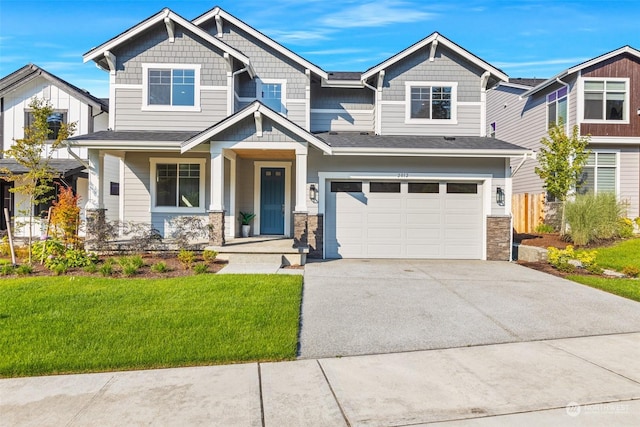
{"x":500,"y":196}
{"x":639,"y":111}
{"x":313,"y":193}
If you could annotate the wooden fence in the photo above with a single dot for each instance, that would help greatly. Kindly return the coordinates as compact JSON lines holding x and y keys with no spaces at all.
{"x":528,"y":211}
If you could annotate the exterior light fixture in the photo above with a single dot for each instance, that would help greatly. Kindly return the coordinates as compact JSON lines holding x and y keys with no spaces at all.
{"x":313,"y":193}
{"x":500,"y":196}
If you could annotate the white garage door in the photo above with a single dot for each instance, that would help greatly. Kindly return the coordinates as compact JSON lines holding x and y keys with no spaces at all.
{"x":392,"y":219}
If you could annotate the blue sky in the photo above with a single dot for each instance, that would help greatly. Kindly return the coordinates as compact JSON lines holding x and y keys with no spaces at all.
{"x":524,"y":38}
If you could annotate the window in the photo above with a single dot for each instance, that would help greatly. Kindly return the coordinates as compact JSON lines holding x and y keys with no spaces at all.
{"x":462,"y":188}
{"x":54,"y":122}
{"x":424,"y":187}
{"x":177,"y":186}
{"x":599,"y":174}
{"x":431,"y":101}
{"x":272,"y":94}
{"x":171,"y":87}
{"x":114,"y":189}
{"x":384,"y":187}
{"x":346,"y":187}
{"x":606,"y":100}
{"x":557,"y":108}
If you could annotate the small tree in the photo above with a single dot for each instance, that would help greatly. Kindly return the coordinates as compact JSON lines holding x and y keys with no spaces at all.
{"x":562,"y":158}
{"x":31,"y":153}
{"x":65,"y":217}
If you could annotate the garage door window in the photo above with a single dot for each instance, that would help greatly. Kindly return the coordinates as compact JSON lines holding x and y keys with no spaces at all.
{"x":346,"y":187}
{"x":462,"y":188}
{"x":424,"y":187}
{"x":384,"y":187}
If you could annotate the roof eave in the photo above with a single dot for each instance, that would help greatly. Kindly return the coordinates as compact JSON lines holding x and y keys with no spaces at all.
{"x":429,"y":152}
{"x":127,"y":145}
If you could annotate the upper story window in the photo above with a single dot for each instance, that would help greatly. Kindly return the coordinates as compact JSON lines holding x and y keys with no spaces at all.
{"x":431,"y":102}
{"x":54,"y":122}
{"x":272,"y":93}
{"x":606,"y":100}
{"x":171,"y":87}
{"x":557,"y":108}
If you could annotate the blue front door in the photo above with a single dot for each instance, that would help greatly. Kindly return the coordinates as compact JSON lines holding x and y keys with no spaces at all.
{"x":272,"y":201}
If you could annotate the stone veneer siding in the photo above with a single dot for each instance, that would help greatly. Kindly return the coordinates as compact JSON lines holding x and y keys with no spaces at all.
{"x":315,"y":224}
{"x":300,"y":229}
{"x":216,"y":228}
{"x":499,"y":238}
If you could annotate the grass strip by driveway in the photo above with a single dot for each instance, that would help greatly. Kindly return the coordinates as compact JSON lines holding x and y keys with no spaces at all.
{"x":628,"y":288}
{"x":58,"y":325}
{"x":620,"y":255}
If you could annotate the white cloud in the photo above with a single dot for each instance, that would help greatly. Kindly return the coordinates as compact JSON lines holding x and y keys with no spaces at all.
{"x":297,"y":37}
{"x":376,"y":14}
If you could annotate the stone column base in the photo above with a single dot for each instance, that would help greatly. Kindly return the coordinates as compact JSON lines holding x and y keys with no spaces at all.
{"x":499,"y":238}
{"x":300,"y":230}
{"x":315,"y":224}
{"x":216,"y":228}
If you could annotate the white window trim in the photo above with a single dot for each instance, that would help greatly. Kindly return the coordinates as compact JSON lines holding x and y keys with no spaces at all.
{"x":283,"y":91}
{"x":627,"y":107}
{"x":454,"y":103}
{"x":164,"y":66}
{"x":597,"y":152}
{"x":154,"y":161}
{"x":566,"y":124}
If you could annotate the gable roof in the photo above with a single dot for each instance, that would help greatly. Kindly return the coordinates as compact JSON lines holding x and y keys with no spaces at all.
{"x":248,"y":111}
{"x":29,"y":72}
{"x":598,"y":59}
{"x":218,"y":11}
{"x":97,"y":52}
{"x":435,"y":37}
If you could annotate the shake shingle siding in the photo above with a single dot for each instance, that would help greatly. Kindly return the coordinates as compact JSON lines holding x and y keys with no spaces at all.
{"x":246,"y":131}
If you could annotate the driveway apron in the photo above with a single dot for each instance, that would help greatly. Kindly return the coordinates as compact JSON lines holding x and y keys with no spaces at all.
{"x":355,"y":307}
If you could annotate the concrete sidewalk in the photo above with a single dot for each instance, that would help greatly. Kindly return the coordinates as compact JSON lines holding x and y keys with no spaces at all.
{"x":574,"y":381}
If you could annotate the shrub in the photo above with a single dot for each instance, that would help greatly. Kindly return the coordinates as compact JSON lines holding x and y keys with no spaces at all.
{"x":6,"y":269}
{"x":544,"y":229}
{"x":209,"y":255}
{"x":91,"y":268}
{"x":65,"y":216}
{"x":200,"y":268}
{"x":160,"y":267}
{"x":106,"y":269}
{"x":559,"y":258}
{"x":631,"y":271}
{"x":593,"y":217}
{"x":59,"y":269}
{"x":588,"y":260}
{"x":134,"y":260}
{"x":625,"y":228}
{"x":186,"y":258}
{"x":24,"y":270}
{"x":5,"y":250}
{"x":129,"y":270}
{"x":637,"y":221}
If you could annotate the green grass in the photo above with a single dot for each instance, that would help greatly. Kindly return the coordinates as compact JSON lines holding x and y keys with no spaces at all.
{"x":88,"y":324}
{"x":628,"y":288}
{"x":620,"y":255}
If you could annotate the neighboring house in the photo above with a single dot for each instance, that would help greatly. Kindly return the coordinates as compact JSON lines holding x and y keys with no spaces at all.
{"x":602,"y":97}
{"x":210,"y":117}
{"x":70,"y":104}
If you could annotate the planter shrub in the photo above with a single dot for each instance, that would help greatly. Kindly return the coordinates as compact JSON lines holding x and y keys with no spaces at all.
{"x":593,"y":217}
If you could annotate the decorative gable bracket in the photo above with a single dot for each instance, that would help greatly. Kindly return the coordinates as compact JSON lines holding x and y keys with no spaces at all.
{"x":170,"y":29}
{"x":434,"y":45}
{"x":257,"y":115}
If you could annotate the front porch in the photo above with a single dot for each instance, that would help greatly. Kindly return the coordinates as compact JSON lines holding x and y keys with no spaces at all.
{"x":262,"y":249}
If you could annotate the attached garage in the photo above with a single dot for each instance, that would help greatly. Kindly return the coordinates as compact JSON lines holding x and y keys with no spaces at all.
{"x":383,"y":218}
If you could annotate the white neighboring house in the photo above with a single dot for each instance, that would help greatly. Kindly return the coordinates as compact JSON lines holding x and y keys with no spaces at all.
{"x":71,"y":104}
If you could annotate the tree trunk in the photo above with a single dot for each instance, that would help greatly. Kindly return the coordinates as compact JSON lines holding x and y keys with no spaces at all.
{"x":563,"y":220}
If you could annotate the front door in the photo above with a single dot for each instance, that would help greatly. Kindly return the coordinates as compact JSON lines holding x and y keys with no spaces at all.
{"x":6,"y":201}
{"x":272,"y":201}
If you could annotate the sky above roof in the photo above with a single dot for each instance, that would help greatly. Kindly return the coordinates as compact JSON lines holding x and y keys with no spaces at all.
{"x":524,"y":38}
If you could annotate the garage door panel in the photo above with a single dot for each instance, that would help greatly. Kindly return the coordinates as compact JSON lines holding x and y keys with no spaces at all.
{"x":407,"y":225}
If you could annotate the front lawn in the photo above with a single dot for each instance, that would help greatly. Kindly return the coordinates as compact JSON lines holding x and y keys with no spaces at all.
{"x":59,"y":325}
{"x":628,"y":288}
{"x":622,"y":254}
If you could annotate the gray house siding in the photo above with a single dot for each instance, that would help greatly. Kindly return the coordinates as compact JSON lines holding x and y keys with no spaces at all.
{"x":129,"y":115}
{"x":154,"y":47}
{"x":341,"y":109}
{"x":393,"y":122}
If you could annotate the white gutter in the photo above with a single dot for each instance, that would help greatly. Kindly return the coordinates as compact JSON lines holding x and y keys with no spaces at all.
{"x":435,"y":152}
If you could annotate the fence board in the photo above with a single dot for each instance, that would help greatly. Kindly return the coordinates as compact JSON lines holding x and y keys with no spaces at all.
{"x":528,"y":211}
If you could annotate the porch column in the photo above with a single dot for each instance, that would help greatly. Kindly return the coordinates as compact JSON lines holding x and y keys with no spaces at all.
{"x":301,"y":180}
{"x":96,"y":180}
{"x":300,"y":214}
{"x":216,"y":205}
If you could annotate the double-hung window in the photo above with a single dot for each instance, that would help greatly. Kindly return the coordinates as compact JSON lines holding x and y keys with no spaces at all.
{"x":606,"y":100}
{"x":171,"y":87}
{"x":431,"y":101}
{"x":599,"y":173}
{"x":557,"y":108}
{"x":177,"y":185}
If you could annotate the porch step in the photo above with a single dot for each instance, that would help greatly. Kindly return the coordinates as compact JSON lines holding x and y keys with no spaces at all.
{"x":261,"y":250}
{"x":252,"y":258}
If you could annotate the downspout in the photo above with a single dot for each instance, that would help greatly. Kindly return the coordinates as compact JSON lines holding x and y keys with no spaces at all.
{"x":524,"y":159}
{"x":82,"y":161}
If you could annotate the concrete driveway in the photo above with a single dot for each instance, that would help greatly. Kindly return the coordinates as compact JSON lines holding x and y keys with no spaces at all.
{"x":355,"y":307}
